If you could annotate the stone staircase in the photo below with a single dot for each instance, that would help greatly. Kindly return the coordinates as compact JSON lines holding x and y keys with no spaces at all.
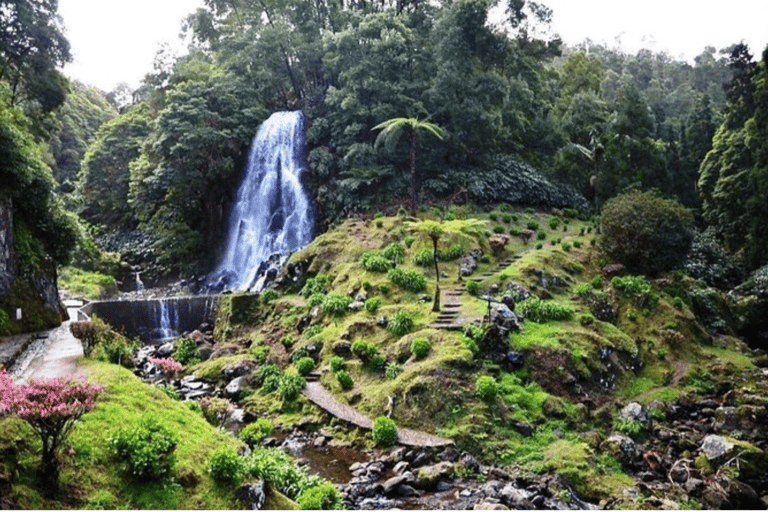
{"x":498,"y":268}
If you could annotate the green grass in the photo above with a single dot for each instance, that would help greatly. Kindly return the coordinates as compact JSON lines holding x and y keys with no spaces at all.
{"x":86,"y":285}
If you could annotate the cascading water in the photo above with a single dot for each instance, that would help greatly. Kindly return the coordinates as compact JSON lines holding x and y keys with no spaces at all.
{"x":272,"y":215}
{"x":167,"y":315}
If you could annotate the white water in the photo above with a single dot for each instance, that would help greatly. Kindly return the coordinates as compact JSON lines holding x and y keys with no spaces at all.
{"x":272,"y":215}
{"x":139,"y":283}
{"x":167,"y":317}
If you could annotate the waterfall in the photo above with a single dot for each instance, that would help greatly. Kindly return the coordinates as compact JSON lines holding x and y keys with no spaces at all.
{"x":272,"y":215}
{"x":139,"y":283}
{"x":167,"y":318}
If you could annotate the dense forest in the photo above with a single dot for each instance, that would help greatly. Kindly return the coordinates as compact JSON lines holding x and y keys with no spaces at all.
{"x":153,"y":172}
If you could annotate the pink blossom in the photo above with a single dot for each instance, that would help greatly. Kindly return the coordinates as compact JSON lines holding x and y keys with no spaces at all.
{"x":167,"y":366}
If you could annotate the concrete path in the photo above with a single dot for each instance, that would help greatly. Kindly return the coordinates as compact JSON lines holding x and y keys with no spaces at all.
{"x":56,"y":356}
{"x":321,"y":397}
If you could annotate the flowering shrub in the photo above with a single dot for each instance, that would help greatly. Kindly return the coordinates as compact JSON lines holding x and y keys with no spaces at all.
{"x":51,"y":407}
{"x":167,"y":366}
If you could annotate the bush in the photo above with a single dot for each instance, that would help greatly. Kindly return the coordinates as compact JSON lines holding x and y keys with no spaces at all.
{"x":225,"y":465}
{"x":290,"y":386}
{"x":254,"y":433}
{"x":486,"y":388}
{"x":473,"y":287}
{"x":375,"y":261}
{"x":630,"y":286}
{"x":321,"y":497}
{"x":147,"y":449}
{"x":411,"y":280}
{"x":582,"y":289}
{"x":336,"y":304}
{"x":187,"y":352}
{"x":541,"y":236}
{"x":337,"y":363}
{"x":314,"y":300}
{"x":393,"y":370}
{"x":454,"y":252}
{"x":304,"y":365}
{"x":313,"y":330}
{"x":384,"y":431}
{"x":345,"y":379}
{"x":420,"y":347}
{"x":215,"y":409}
{"x":424,"y":258}
{"x":372,"y":304}
{"x":554,"y":222}
{"x":400,"y":323}
{"x":363,"y":349}
{"x":266,"y":374}
{"x":506,"y":218}
{"x":540,"y":311}
{"x":646,"y":232}
{"x":394,"y":252}
{"x":498,"y":229}
{"x":708,"y":261}
{"x":269,"y":296}
{"x":317,"y":284}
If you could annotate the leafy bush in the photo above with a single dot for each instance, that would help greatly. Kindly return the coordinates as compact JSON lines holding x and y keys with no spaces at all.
{"x":393,"y":370}
{"x":586,"y":319}
{"x":336,"y":304}
{"x":375,"y":261}
{"x":409,"y":241}
{"x":532,"y":225}
{"x":187,"y":352}
{"x":454,"y":252}
{"x":411,"y":280}
{"x":363,"y":349}
{"x":631,"y":428}
{"x":317,"y":284}
{"x":473,"y":287}
{"x":269,"y":296}
{"x":337,"y":363}
{"x":147,"y":449}
{"x":225,"y":465}
{"x":554,"y":222}
{"x":423,"y":258}
{"x":276,"y":466}
{"x":566,"y":246}
{"x":708,"y":261}
{"x":268,"y":377}
{"x":254,"y":433}
{"x":506,"y":218}
{"x":345,"y":379}
{"x":540,"y":311}
{"x":646,"y":232}
{"x":372,"y":304}
{"x":394,"y":252}
{"x":631,"y":285}
{"x":313,"y":330}
{"x":376,"y":363}
{"x":304,"y":365}
{"x":321,"y":497}
{"x":541,"y":236}
{"x":582,"y":289}
{"x":384,"y":431}
{"x":290,"y":386}
{"x":420,"y":347}
{"x":498,"y":228}
{"x":400,"y":323}
{"x":486,"y":388}
{"x":384,"y":288}
{"x":314,"y":300}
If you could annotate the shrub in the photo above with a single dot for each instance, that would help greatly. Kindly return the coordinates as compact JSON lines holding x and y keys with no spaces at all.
{"x":376,"y":363}
{"x":393,"y":370}
{"x":314,"y":300}
{"x":420,"y":347}
{"x":384,"y":288}
{"x":313,"y":330}
{"x":337,"y":363}
{"x":254,"y":433}
{"x":269,"y":296}
{"x":336,"y":304}
{"x":554,"y":222}
{"x":409,"y":241}
{"x":540,"y":311}
{"x":493,"y":216}
{"x":678,"y":303}
{"x":317,"y":284}
{"x":486,"y":388}
{"x":400,"y":323}
{"x":539,"y":245}
{"x":384,"y":431}
{"x":541,"y":236}
{"x":321,"y":497}
{"x":473,"y":287}
{"x":187,"y":352}
{"x":345,"y":379}
{"x":394,"y":252}
{"x":506,"y":218}
{"x":596,"y":282}
{"x":364,"y":349}
{"x":532,"y":225}
{"x":582,"y":289}
{"x":708,"y":261}
{"x":498,"y":228}
{"x":586,"y":319}
{"x":455,"y":251}
{"x":372,"y":304}
{"x":290,"y":386}
{"x":215,"y":409}
{"x":167,"y":366}
{"x":411,"y":280}
{"x":566,"y":246}
{"x":423,"y":258}
{"x":113,"y":347}
{"x":375,"y":261}
{"x":146,"y":449}
{"x":577,"y":244}
{"x":631,"y":285}
{"x":304,"y":365}
{"x":225,"y":465}
{"x":631,"y":428}
{"x":268,"y":377}
{"x":646,"y":232}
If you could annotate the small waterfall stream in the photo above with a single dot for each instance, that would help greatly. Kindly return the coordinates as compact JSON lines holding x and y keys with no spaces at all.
{"x":272,"y":215}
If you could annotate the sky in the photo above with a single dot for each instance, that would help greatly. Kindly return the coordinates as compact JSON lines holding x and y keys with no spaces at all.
{"x":116,"y":41}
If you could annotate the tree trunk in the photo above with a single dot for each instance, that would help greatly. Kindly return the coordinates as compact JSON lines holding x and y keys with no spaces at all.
{"x":414,"y":197}
{"x":436,"y":303}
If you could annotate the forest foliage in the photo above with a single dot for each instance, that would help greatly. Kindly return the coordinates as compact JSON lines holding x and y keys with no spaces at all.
{"x":526,"y":119}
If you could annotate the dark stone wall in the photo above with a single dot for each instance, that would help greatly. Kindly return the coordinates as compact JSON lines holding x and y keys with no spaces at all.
{"x":7,"y":260}
{"x":141,"y":318}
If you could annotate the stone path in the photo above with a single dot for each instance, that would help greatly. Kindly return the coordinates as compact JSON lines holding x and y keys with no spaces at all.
{"x":321,"y":397}
{"x":498,"y":268}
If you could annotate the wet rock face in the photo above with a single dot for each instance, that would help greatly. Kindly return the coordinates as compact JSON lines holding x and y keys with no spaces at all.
{"x":7,"y":260}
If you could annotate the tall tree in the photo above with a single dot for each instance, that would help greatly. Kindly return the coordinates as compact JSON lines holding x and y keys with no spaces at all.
{"x":391,"y":131}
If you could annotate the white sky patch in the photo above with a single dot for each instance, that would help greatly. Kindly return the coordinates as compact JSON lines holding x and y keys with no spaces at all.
{"x":116,"y":41}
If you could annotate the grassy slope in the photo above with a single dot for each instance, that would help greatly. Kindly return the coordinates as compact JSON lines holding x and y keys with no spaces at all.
{"x":91,"y":477}
{"x":652,"y":351}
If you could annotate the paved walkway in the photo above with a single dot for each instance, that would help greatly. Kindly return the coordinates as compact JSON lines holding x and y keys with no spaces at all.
{"x":321,"y":397}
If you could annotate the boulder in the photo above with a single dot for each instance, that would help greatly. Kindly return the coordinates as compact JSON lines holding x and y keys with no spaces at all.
{"x":429,"y":476}
{"x":504,"y":317}
{"x":634,"y":412}
{"x":237,"y":386}
{"x":621,"y":447}
{"x":468,"y":263}
{"x":518,"y":499}
{"x":251,"y":494}
{"x":342,"y":348}
{"x":752,"y":461}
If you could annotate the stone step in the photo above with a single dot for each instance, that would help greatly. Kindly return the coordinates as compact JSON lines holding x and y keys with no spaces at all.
{"x":312,"y":377}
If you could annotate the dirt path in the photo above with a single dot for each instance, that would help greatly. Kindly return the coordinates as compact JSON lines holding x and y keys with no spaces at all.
{"x":680,"y":370}
{"x":321,"y":397}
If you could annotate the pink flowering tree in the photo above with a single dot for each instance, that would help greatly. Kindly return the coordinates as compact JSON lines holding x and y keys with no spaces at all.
{"x":167,"y":366}
{"x":51,"y":407}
